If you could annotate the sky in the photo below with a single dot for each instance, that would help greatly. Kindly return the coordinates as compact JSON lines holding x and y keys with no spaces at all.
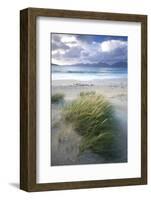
{"x":68,"y":49}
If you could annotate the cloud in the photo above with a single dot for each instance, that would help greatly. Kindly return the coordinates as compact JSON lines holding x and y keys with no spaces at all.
{"x":56,"y":46}
{"x":72,"y":49}
{"x":68,"y":38}
{"x":70,"y":56}
{"x":56,"y":43}
{"x":112,"y":45}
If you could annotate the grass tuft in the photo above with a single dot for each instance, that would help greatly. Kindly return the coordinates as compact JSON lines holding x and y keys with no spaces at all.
{"x":93,"y":118}
{"x":87,"y":93}
{"x":56,"y":98}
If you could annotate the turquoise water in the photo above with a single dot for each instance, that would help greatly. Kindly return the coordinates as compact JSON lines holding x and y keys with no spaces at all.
{"x":87,"y":73}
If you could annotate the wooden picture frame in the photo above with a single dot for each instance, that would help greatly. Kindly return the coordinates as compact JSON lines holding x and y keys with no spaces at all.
{"x":28,"y":99}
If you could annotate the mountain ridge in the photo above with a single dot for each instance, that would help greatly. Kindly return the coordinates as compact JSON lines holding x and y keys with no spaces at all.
{"x":99,"y":64}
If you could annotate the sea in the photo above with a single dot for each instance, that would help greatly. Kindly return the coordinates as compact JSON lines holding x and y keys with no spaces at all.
{"x":86,"y":73}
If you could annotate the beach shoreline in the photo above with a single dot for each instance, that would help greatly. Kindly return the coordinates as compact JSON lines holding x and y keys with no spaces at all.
{"x":113,"y":89}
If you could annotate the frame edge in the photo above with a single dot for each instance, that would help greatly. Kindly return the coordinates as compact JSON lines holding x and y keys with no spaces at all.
{"x":27,"y":102}
{"x":24,"y":99}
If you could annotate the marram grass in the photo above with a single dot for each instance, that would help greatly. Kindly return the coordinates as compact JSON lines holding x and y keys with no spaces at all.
{"x":87,"y":93}
{"x":93,"y":118}
{"x":56,"y":98}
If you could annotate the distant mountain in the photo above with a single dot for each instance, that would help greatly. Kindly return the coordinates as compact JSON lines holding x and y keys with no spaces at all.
{"x":119,"y":64}
{"x":54,"y":64}
{"x":99,"y":64}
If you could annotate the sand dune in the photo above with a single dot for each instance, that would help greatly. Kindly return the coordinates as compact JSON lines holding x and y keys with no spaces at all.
{"x":65,"y":141}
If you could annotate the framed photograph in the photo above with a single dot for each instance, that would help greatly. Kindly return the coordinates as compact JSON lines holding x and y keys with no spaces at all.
{"x":83,"y":93}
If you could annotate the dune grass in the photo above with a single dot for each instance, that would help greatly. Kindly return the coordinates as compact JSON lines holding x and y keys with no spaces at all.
{"x":87,"y":93}
{"x":93,"y":118}
{"x":56,"y":98}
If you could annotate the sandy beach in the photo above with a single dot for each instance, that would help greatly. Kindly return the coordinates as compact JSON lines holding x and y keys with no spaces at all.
{"x":65,"y":141}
